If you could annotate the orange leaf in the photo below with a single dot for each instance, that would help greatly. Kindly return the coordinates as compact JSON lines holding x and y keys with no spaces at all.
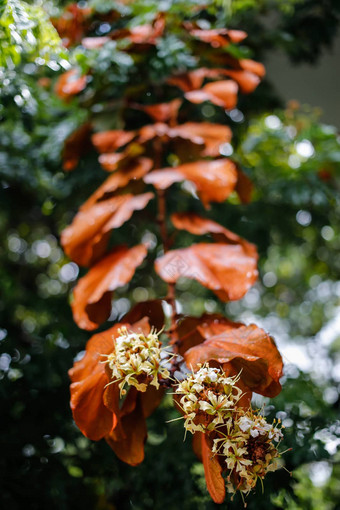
{"x":70,"y":83}
{"x":151,"y":309}
{"x":253,"y":67}
{"x":205,"y":133}
{"x":89,"y":412}
{"x":162,"y":112}
{"x":228,"y":270}
{"x":214,"y":180}
{"x":92,"y":295}
{"x":194,"y":330}
{"x":89,"y":381}
{"x":94,"y":403}
{"x":85,"y":240}
{"x":221,"y":93}
{"x":212,"y":471}
{"x":76,"y":145}
{"x":246,"y":348}
{"x":244,"y":187}
{"x":134,"y":171}
{"x":109,"y":141}
{"x":130,"y":448}
{"x":219,"y":37}
{"x":198,"y":225}
{"x":149,"y":33}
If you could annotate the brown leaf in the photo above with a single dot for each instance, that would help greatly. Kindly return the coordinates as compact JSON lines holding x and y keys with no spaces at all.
{"x":85,"y":240}
{"x":162,"y":112}
{"x":70,"y":83}
{"x":219,"y":37}
{"x":228,"y":270}
{"x":246,"y":80}
{"x":75,"y":146}
{"x":221,"y":93}
{"x":130,"y":447}
{"x":248,"y":349}
{"x":151,"y":309}
{"x":92,"y":295}
{"x":95,"y":403}
{"x":244,"y":187}
{"x":212,"y":471}
{"x":214,"y":180}
{"x":149,"y":33}
{"x":119,"y":179}
{"x":110,"y":141}
{"x":88,"y":385}
{"x":195,"y":330}
{"x":205,"y":133}
{"x":253,"y":67}
{"x":198,"y":225}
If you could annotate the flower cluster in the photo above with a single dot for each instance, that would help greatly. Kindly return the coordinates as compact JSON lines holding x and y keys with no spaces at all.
{"x":246,"y":446}
{"x":242,"y":439}
{"x":136,"y":360}
{"x":209,"y":399}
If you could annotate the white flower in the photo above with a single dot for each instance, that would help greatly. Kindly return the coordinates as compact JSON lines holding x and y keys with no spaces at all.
{"x":245,"y":423}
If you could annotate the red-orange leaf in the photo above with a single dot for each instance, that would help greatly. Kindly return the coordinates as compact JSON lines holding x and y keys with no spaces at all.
{"x":85,"y":240}
{"x":195,"y":330}
{"x":70,"y":84}
{"x":228,"y":270}
{"x":130,"y":447}
{"x":212,"y":471}
{"x":162,"y":112}
{"x":109,"y":141}
{"x":89,"y":379}
{"x":214,"y":180}
{"x":198,"y":225}
{"x":92,"y":295}
{"x":89,"y":412}
{"x":248,"y":349}
{"x":244,"y":187}
{"x":205,"y":133}
{"x":76,"y":145}
{"x":148,"y":33}
{"x":151,"y":309}
{"x":134,"y":171}
{"x":253,"y":67}
{"x":221,"y":93}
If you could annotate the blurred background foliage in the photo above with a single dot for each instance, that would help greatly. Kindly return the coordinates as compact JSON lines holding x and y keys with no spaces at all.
{"x":294,"y":163}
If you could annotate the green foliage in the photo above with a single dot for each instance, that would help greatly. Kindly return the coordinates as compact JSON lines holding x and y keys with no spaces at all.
{"x":26,"y":34}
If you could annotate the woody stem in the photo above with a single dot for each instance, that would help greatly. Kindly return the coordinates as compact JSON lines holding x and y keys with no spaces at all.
{"x":170,"y":298}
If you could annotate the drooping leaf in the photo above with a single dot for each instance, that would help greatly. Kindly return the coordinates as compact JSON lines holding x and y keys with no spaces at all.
{"x":195,"y":330}
{"x":89,"y":379}
{"x":197,"y":225}
{"x":70,"y":84}
{"x":219,"y":37}
{"x":130,"y":446}
{"x":110,"y":141}
{"x":228,"y":270}
{"x":92,"y":295}
{"x":212,"y":471}
{"x":76,"y":145}
{"x":162,"y":112}
{"x":85,"y":240}
{"x":214,"y":180}
{"x":135,"y":170}
{"x":248,"y":349}
{"x":221,"y":93}
{"x":151,"y":309}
